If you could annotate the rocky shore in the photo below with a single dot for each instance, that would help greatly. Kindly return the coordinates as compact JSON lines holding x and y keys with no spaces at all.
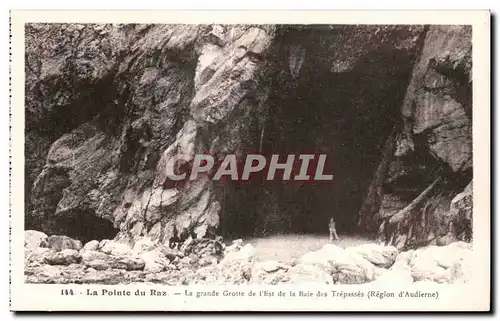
{"x":60,"y":259}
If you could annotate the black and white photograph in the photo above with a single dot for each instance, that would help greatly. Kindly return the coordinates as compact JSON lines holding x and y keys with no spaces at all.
{"x":220,"y":154}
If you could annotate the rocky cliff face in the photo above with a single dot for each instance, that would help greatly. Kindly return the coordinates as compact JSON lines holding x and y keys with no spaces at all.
{"x":428,"y":161}
{"x":109,"y":106}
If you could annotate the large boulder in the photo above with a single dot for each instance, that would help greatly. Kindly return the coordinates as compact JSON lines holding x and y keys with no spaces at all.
{"x":91,"y":245}
{"x":127,"y":263}
{"x":344,"y":266}
{"x":36,"y":256}
{"x":379,"y":255}
{"x":98,"y":264}
{"x":235,"y":246}
{"x":397,"y":275}
{"x":170,"y":253}
{"x":203,"y":247}
{"x":305,"y":274}
{"x":119,"y":263}
{"x":91,"y":255}
{"x":62,"y":242}
{"x":143,"y":245}
{"x":443,"y":264}
{"x":114,"y":248}
{"x":245,"y":254}
{"x":34,"y":239}
{"x":102,"y":261}
{"x":269,"y":272}
{"x":64,"y":257}
{"x":154,"y":261}
{"x":235,"y":268}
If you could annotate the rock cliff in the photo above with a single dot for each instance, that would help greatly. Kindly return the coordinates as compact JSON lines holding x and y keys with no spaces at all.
{"x":428,"y":161}
{"x":109,"y":106}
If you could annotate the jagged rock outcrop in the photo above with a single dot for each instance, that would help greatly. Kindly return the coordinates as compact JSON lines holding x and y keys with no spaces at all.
{"x":461,"y":213}
{"x":108,"y":164}
{"x":415,"y":195}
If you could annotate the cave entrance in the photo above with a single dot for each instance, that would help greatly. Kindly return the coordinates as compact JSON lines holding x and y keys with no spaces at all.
{"x":85,"y":226}
{"x":347,"y":116}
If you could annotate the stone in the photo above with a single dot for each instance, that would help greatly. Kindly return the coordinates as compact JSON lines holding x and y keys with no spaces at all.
{"x":169,"y":253}
{"x":270,"y":266}
{"x":344,"y":266}
{"x":102,"y":261}
{"x":235,"y":246}
{"x":404,"y":258}
{"x":119,"y":263}
{"x":202,"y":247}
{"x":165,"y":277}
{"x":64,"y":257}
{"x":34,"y":239}
{"x":269,"y":272}
{"x":442,"y":264}
{"x":114,"y":248}
{"x":45,"y":274}
{"x":127,"y":263}
{"x":234,"y":272}
{"x":154,"y":261}
{"x":62,"y":242}
{"x":90,"y":255}
{"x":98,"y":264}
{"x":36,"y":256}
{"x":143,"y":245}
{"x":461,"y":211}
{"x":188,"y":262}
{"x":378,"y":255}
{"x":91,"y":245}
{"x":246,"y":253}
{"x":305,"y":274}
{"x":425,"y":284}
{"x":80,"y":274}
{"x":398,"y":275}
{"x":208,"y":260}
{"x":234,"y":268}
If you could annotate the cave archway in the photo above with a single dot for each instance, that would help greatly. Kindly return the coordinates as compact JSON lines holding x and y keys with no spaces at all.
{"x":347,"y":116}
{"x":85,"y":226}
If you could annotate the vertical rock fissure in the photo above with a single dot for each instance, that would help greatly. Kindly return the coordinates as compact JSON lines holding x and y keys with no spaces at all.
{"x":367,"y":221}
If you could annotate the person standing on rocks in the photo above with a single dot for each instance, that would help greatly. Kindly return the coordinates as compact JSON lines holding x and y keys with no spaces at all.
{"x":333,"y":231}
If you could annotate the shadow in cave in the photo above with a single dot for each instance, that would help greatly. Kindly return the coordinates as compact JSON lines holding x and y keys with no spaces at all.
{"x":85,"y":226}
{"x":347,"y":116}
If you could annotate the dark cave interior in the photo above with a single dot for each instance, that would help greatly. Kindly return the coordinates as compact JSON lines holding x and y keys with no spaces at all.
{"x":347,"y":116}
{"x":85,"y":226}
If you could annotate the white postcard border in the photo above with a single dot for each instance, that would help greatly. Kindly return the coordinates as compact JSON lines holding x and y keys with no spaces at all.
{"x":471,"y":297}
